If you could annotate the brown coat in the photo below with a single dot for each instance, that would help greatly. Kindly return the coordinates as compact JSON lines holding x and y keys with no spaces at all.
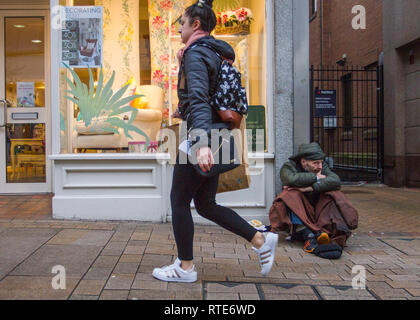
{"x":332,"y":214}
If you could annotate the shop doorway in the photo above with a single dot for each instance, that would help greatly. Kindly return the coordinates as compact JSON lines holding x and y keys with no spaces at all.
{"x":25,"y":111}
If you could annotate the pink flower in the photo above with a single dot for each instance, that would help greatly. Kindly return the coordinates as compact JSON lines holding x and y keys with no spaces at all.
{"x":166,"y":4}
{"x":158,"y":21}
{"x":242,"y":14}
{"x":225,"y":18}
{"x":158,"y":76}
{"x":165,"y":113}
{"x":165,"y":58}
{"x":167,"y":85}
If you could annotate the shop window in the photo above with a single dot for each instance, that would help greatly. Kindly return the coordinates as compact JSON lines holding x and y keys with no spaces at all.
{"x":140,"y":43}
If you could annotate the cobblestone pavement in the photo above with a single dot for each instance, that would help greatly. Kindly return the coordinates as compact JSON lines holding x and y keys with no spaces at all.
{"x":114,"y":259}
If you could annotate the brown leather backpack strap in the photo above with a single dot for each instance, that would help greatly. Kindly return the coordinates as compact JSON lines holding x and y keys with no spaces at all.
{"x":232,"y":117}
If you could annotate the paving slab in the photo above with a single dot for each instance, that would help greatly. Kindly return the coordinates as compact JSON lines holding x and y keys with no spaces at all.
{"x":82,"y":237}
{"x":98,"y":273}
{"x":120,"y":281}
{"x":75,"y":259}
{"x":19,"y":244}
{"x":34,"y":288}
{"x":89,"y":287}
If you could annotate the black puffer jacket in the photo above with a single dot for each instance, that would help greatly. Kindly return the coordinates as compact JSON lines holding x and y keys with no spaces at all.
{"x":197,"y":80}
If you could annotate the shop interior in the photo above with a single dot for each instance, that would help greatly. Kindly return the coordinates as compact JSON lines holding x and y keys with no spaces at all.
{"x":140,"y":42}
{"x":24,"y":88}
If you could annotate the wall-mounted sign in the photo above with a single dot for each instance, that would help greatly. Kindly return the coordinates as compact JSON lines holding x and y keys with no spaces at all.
{"x":82,"y":36}
{"x":325,"y":103}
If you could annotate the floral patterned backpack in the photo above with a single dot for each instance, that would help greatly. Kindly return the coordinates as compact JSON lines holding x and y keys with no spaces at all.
{"x":229,"y":98}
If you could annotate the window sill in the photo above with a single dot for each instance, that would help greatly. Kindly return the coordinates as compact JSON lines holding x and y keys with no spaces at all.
{"x":134,"y":156}
{"x":110,"y":156}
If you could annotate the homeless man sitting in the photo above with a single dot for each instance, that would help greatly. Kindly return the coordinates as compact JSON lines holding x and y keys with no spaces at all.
{"x":311,"y":207}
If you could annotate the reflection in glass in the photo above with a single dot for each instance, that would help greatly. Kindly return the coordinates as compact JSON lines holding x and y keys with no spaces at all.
{"x":25,"y":153}
{"x":24,"y":61}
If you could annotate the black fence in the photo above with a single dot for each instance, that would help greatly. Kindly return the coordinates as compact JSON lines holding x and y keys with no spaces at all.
{"x":347,"y":119}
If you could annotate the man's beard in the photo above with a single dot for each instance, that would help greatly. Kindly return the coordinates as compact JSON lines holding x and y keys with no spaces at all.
{"x":307,"y":168}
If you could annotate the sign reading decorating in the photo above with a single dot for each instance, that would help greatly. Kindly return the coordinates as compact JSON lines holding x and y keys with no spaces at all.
{"x":81,"y":36}
{"x":325,"y":103}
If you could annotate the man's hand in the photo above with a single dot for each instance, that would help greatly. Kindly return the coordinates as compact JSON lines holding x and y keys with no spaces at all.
{"x":205,"y":158}
{"x":303,"y":190}
{"x":320,"y":175}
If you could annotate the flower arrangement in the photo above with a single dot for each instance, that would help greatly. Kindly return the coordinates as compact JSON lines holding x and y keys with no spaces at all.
{"x":234,"y":21}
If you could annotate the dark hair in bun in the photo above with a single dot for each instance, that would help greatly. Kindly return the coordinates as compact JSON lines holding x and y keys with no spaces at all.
{"x":202,"y":11}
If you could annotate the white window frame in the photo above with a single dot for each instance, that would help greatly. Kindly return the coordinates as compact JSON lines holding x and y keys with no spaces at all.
{"x":55,"y":87}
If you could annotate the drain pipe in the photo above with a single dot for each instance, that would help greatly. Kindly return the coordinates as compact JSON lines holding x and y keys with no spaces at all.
{"x":321,"y":5}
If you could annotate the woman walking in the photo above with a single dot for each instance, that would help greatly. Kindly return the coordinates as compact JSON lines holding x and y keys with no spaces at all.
{"x":197,"y":79}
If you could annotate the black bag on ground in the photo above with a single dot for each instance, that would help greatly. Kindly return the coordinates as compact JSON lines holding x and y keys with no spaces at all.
{"x":328,"y":251}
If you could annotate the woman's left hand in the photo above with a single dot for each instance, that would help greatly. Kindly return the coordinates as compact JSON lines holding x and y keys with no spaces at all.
{"x":205,"y":158}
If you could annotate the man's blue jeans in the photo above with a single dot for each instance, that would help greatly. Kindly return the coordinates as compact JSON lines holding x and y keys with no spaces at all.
{"x":295,"y":218}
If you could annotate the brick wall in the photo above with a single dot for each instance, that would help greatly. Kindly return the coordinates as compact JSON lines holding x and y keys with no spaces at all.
{"x":361,"y":46}
{"x":355,"y":145}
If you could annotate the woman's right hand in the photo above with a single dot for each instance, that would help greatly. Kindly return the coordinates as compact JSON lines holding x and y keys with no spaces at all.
{"x":205,"y":159}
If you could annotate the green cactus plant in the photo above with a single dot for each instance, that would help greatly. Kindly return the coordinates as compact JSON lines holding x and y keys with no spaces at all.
{"x":102,"y":102}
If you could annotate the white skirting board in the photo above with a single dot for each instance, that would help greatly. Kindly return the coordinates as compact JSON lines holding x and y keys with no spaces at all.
{"x":99,"y":208}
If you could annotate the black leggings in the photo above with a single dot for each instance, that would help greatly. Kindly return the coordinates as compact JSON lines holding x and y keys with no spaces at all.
{"x":187,"y":184}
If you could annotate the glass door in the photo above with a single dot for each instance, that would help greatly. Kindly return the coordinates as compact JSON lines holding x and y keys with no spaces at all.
{"x":24,"y":102}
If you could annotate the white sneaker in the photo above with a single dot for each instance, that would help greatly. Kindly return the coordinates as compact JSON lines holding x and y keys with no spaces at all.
{"x":174,"y":273}
{"x":267,"y":251}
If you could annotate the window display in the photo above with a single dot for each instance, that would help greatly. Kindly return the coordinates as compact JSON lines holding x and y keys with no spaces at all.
{"x":139,"y":72}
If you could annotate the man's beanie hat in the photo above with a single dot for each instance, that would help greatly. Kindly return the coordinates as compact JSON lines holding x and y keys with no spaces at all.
{"x":309,"y":151}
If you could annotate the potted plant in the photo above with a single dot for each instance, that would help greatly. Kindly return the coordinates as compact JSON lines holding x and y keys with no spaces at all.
{"x":101,"y":109}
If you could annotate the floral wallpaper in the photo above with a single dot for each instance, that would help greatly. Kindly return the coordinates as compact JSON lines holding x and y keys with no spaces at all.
{"x":121,"y":27}
{"x":162,"y":14}
{"x":164,"y":65}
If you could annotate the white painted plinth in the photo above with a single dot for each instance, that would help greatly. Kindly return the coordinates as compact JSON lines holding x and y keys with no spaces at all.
{"x":137,"y":187}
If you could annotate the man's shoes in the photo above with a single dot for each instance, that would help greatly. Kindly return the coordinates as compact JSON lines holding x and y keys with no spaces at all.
{"x":267,"y":251}
{"x":322,"y":238}
{"x":310,"y":245}
{"x":174,"y":273}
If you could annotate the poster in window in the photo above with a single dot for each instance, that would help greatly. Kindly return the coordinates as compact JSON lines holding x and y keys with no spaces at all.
{"x":25,"y":94}
{"x":82,"y":36}
{"x":256,"y":121}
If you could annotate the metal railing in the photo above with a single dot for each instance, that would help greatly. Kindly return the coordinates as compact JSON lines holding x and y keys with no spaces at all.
{"x":347,"y":119}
